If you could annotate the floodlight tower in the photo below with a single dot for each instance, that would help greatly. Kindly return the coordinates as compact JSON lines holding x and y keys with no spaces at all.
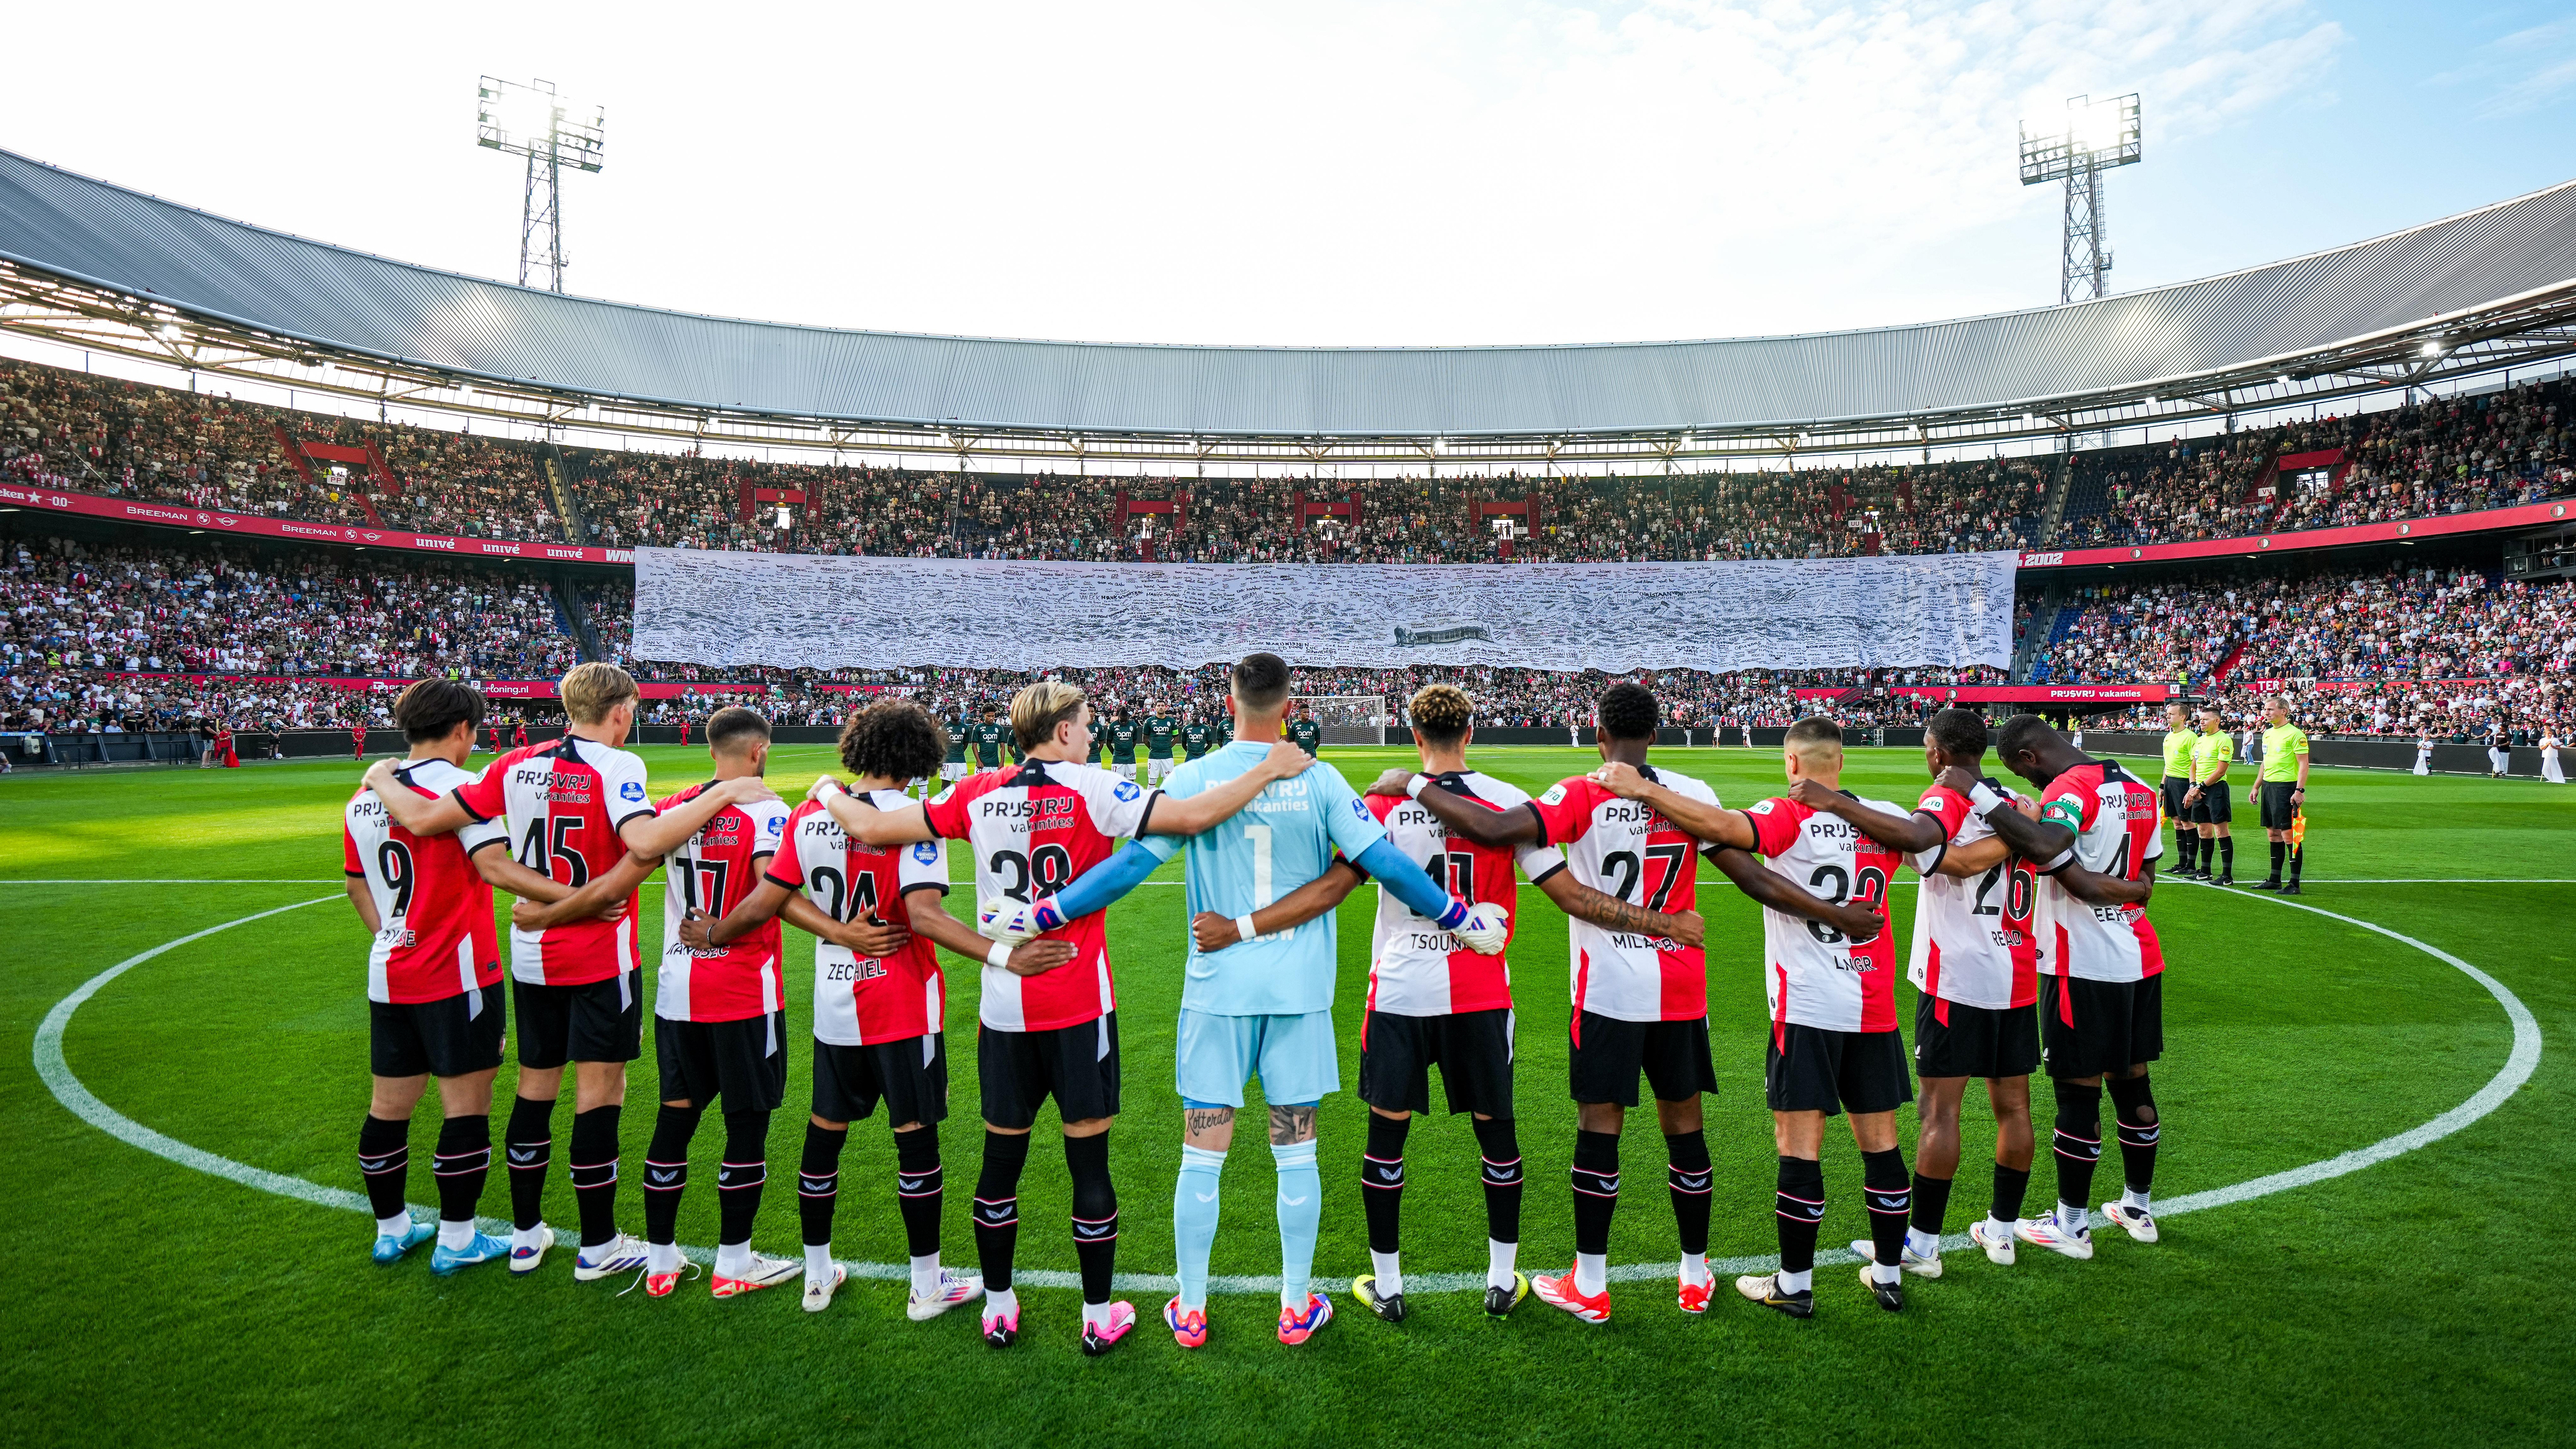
{"x":2098,"y":136}
{"x":553,"y":133}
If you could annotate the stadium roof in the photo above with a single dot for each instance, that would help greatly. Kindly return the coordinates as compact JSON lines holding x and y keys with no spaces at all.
{"x":2496,"y":284}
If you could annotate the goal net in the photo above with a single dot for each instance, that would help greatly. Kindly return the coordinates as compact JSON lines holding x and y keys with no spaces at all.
{"x":1347,"y":719}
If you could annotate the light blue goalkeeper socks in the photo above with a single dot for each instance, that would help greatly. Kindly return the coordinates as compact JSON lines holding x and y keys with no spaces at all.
{"x":1301,"y":1214}
{"x":1194,"y":1212}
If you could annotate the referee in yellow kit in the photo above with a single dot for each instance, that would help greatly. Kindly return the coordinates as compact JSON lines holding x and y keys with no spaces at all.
{"x":2285,"y":792}
{"x":2179,"y":737}
{"x":2211,"y":809}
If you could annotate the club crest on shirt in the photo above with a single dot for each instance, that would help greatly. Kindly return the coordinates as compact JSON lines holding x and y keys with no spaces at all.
{"x":927,"y":852}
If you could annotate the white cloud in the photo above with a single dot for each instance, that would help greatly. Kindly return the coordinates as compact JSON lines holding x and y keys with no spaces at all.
{"x":1418,"y":171}
{"x":2521,"y":72}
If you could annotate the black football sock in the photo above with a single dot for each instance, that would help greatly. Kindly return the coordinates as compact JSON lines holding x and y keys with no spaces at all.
{"x":1498,"y":1144}
{"x":1688,"y":1176}
{"x":1095,"y":1214}
{"x":1596,"y":1190}
{"x":1890,"y":1195}
{"x":2227,"y":855}
{"x":2280,"y":848}
{"x":528,"y":1144}
{"x":920,"y":1188}
{"x":1382,"y":1179}
{"x":666,"y":1171}
{"x":741,"y":1175}
{"x":997,"y":1206}
{"x":1931,"y":1203}
{"x":594,"y":1173}
{"x":818,"y":1182}
{"x":464,"y":1161}
{"x":1799,"y":1208}
{"x":2187,"y":849}
{"x":2298,"y":860}
{"x":2133,"y":1103}
{"x":2078,"y":1141}
{"x":384,"y":1158}
{"x":2012,"y":1184}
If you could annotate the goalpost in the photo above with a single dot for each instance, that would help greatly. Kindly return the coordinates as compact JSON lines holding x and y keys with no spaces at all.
{"x":1347,"y":719}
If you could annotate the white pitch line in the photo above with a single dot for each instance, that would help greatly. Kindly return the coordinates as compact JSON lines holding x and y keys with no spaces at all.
{"x":57,"y":1075}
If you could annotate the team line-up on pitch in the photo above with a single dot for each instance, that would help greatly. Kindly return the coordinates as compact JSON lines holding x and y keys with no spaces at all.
{"x":1273,"y":841}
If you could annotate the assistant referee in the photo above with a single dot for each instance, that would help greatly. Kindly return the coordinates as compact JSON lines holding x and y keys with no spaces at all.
{"x":2177,"y":783}
{"x":2285,"y":791}
{"x":2211,"y":809}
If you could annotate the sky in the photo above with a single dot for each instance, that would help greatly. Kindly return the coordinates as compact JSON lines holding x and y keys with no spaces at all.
{"x":1420,"y":172}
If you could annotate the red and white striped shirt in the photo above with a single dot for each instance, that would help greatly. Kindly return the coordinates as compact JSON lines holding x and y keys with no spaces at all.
{"x":2113,"y":815}
{"x":1816,"y":976}
{"x":434,"y":937}
{"x":712,"y":871}
{"x":1416,"y":968}
{"x":862,"y":1001}
{"x":1972,"y":941}
{"x":1035,"y":827}
{"x":1627,"y":849}
{"x":565,"y":802}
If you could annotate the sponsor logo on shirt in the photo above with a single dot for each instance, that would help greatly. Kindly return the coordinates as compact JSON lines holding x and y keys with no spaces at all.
{"x":927,"y":852}
{"x":632,"y":790}
{"x":1359,"y":809}
{"x":1125,"y":790}
{"x":773,"y":825}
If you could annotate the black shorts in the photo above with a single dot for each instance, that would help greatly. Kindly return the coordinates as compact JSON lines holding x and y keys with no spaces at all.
{"x":599,"y":1021}
{"x":744,"y":1062}
{"x":452,"y":1037}
{"x":2175,"y":787}
{"x":1951,"y":1040}
{"x":1812,"y":1069}
{"x":2278,"y":812}
{"x":2087,"y":1028}
{"x":1609,"y":1053}
{"x":1077,"y":1065}
{"x":910,"y":1076}
{"x":1473,"y":1050}
{"x":2212,"y":807}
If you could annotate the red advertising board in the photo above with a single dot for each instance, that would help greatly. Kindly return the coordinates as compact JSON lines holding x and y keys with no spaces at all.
{"x":2528,"y":515}
{"x":180,"y":515}
{"x":2019,"y":693}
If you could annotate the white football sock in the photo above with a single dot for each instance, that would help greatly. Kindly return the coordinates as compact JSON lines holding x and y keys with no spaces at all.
{"x":1885,"y":1272}
{"x":1998,"y":1225}
{"x":2134,"y":1198}
{"x":2074,"y":1219}
{"x":1502,"y":1263}
{"x":1001,"y":1303}
{"x":733,"y":1260}
{"x":395,"y":1226}
{"x":1925,"y":1245}
{"x":662,"y":1258}
{"x":1390,"y":1273}
{"x":925,"y":1274}
{"x":1788,"y":1282}
{"x":818,"y":1262}
{"x":526,"y":1237}
{"x":1695,"y":1269}
{"x":1591,"y":1274}
{"x":456,"y":1237}
{"x":1095,"y":1315}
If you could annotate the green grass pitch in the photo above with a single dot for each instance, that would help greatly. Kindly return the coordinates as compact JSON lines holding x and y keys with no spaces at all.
{"x":2421,"y":1297}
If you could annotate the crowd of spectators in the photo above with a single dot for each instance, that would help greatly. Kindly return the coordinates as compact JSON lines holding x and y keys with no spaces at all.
{"x":2448,"y":455}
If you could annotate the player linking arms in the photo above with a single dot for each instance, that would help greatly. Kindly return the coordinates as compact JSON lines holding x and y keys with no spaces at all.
{"x":2101,"y":1007}
{"x":1264,"y":1007}
{"x":433,"y":978}
{"x":1042,"y":828}
{"x":880,"y":998}
{"x":1640,"y":992}
{"x":579,"y":809}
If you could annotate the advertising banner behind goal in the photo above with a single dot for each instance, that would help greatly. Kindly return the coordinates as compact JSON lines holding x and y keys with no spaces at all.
{"x":698,"y":607}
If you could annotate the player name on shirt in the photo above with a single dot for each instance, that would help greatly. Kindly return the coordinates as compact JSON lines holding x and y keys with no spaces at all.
{"x":1817,"y":977}
{"x":1417,"y":969}
{"x":2113,"y":815}
{"x":865,"y":1000}
{"x":711,"y":872}
{"x":1033,"y":829}
{"x":435,"y":937}
{"x":1627,"y":849}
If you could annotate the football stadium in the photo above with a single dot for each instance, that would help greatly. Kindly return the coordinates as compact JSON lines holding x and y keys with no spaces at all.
{"x":1616,"y":815}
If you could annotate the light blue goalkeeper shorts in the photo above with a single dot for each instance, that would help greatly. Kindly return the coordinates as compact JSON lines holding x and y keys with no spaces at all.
{"x":1294,"y":1056}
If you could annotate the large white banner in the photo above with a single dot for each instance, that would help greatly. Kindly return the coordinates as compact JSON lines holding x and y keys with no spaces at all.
{"x":698,"y":607}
